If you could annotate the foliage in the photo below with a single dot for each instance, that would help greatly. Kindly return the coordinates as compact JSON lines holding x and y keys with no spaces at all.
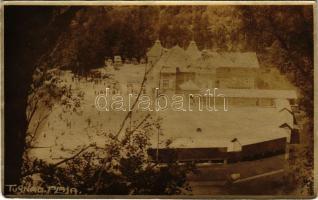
{"x":47,"y":91}
{"x":121,"y":166}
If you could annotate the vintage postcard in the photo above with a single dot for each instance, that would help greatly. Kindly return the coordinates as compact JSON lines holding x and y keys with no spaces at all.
{"x":146,"y":99}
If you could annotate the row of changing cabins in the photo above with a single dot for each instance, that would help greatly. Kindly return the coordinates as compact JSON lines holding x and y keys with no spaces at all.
{"x":220,"y":154}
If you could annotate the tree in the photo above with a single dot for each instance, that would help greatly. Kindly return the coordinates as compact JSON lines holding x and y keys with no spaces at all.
{"x":128,"y":171}
{"x":287,"y":45}
{"x":24,"y":27}
{"x":120,"y":166}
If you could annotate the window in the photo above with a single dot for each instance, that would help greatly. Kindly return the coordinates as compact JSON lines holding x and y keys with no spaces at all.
{"x":165,"y":84}
{"x":217,"y":84}
{"x":266,"y":102}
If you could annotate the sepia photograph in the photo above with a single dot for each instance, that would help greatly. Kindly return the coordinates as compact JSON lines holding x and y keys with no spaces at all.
{"x":158,"y":100}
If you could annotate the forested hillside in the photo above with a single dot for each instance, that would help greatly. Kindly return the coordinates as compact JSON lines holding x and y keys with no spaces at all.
{"x":281,"y":36}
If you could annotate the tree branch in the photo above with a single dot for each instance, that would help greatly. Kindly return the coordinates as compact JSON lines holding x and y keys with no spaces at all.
{"x":58,"y":163}
{"x":72,"y":157}
{"x":32,"y":112}
{"x":147,"y":116}
{"x":123,"y":124}
{"x":36,"y":129}
{"x":135,"y":102}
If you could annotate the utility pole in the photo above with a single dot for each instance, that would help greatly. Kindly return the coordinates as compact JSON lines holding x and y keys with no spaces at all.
{"x":157,"y":152}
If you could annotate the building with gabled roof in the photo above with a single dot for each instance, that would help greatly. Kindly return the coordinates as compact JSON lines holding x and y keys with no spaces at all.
{"x":155,"y":52}
{"x":254,"y":128}
{"x":193,"y":51}
{"x":174,"y":57}
{"x":205,"y":68}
